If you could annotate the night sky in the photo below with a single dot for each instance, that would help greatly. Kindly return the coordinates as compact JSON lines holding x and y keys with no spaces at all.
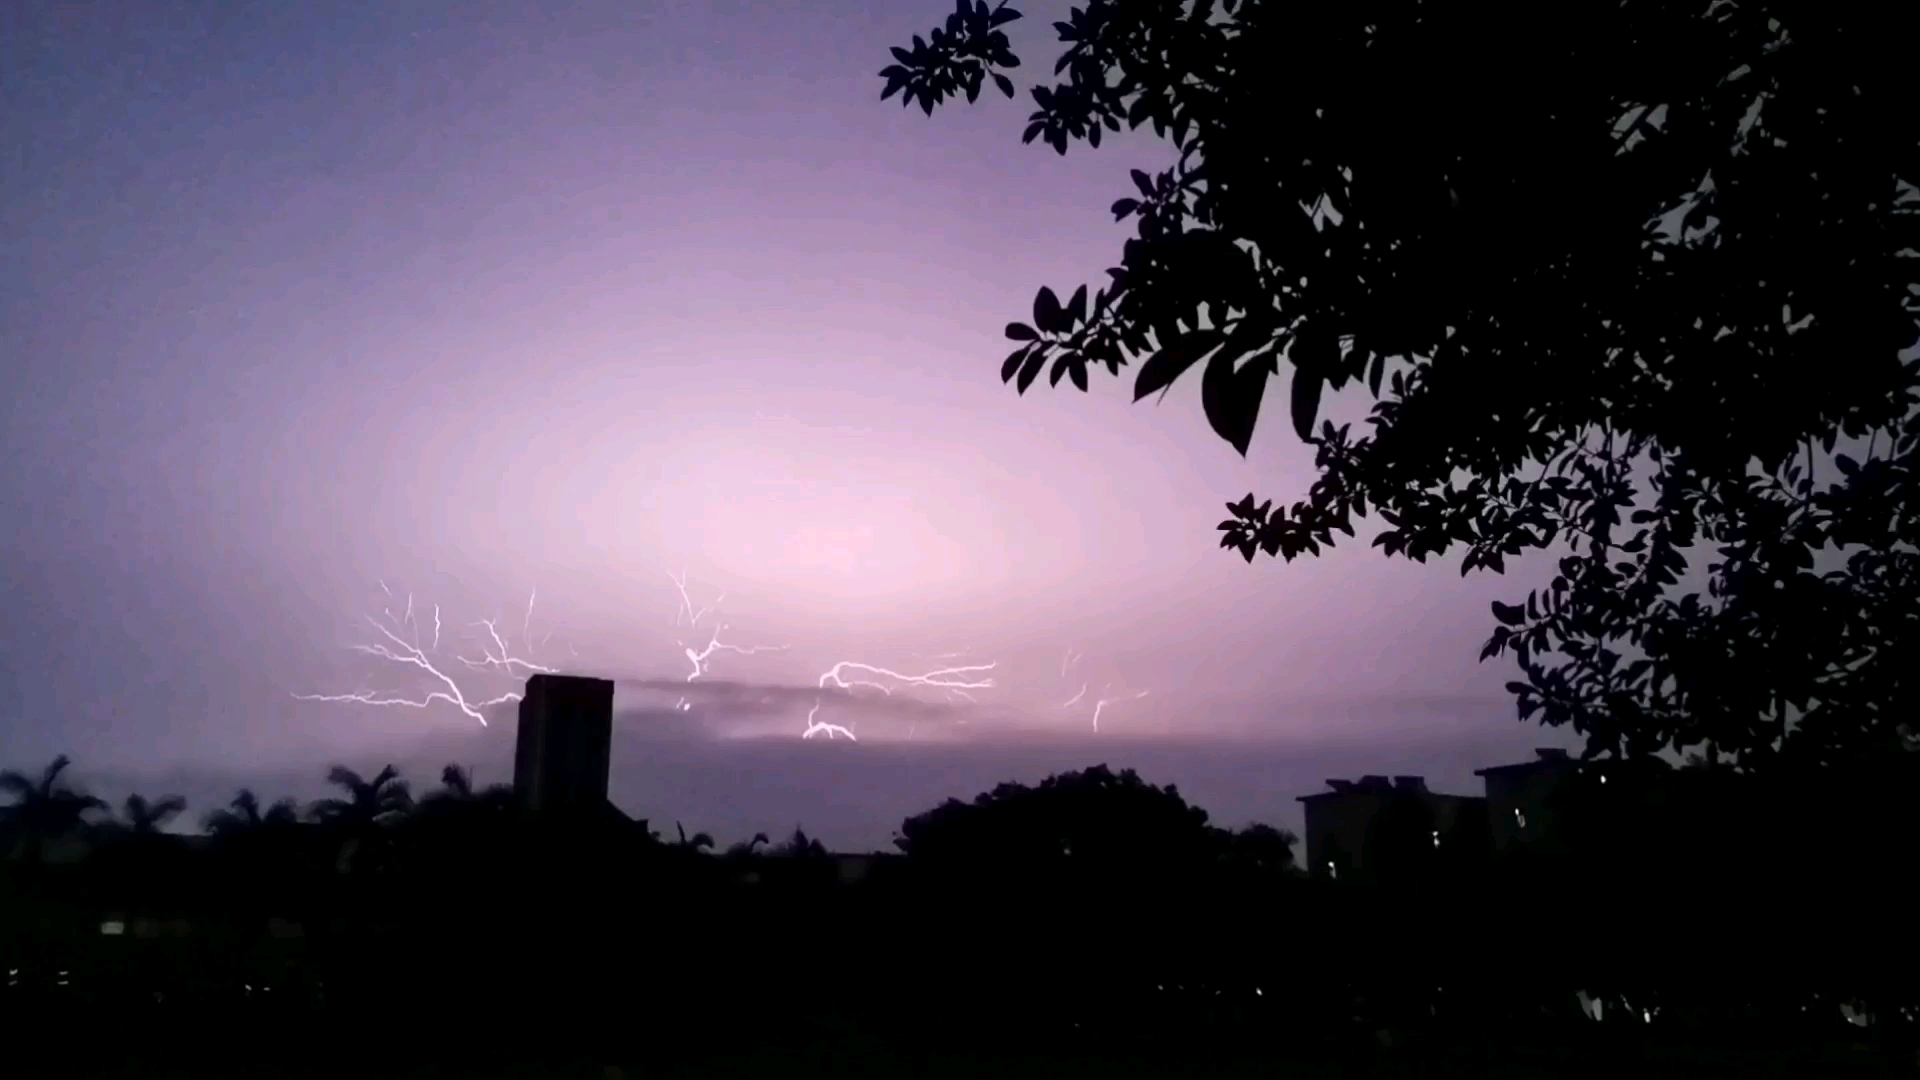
{"x":475,"y":300}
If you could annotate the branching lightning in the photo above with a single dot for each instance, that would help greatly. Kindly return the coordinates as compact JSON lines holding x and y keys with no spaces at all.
{"x":402,"y":646}
{"x":1101,"y":705}
{"x":701,"y":658}
{"x":402,"y":639}
{"x":954,"y":680}
{"x":1106,"y":698}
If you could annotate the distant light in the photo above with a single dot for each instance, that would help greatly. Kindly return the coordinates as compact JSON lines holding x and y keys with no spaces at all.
{"x":1257,"y":992}
{"x":113,"y":928}
{"x":1436,"y":838}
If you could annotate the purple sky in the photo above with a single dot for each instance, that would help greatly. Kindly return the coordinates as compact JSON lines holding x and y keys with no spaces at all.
{"x":477,"y":299}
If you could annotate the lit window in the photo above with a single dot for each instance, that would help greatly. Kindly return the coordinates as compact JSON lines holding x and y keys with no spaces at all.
{"x":113,"y":928}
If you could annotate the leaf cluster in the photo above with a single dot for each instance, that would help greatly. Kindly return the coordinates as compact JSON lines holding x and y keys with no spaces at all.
{"x":1572,"y":255}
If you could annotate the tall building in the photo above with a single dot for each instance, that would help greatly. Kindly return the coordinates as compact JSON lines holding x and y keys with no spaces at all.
{"x":564,"y":749}
{"x":1372,"y":827}
{"x":1521,"y":811}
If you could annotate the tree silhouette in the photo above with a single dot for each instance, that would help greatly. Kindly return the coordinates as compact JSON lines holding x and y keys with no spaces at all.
{"x":798,"y":846}
{"x":1263,"y":849}
{"x":1086,"y":825}
{"x":378,"y":801}
{"x":700,"y":842}
{"x":457,"y":793}
{"x":142,"y":817}
{"x":243,"y":815}
{"x":359,"y":820}
{"x":44,"y":807}
{"x":744,"y":848}
{"x":1563,"y":251}
{"x":456,"y":782}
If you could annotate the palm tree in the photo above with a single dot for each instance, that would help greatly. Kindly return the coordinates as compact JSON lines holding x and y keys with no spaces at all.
{"x":137,"y":849}
{"x":140,"y":817}
{"x":456,"y":789}
{"x":745,"y":847}
{"x":699,"y":841}
{"x":378,"y":801}
{"x":369,"y":805}
{"x":456,"y":782}
{"x":799,"y":845}
{"x":44,"y":809}
{"x":243,"y":815}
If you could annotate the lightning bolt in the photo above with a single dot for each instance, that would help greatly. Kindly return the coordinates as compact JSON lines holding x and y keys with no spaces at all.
{"x":816,"y":727}
{"x":407,"y":651}
{"x":1101,"y":705}
{"x":953,"y":680}
{"x":701,"y":658}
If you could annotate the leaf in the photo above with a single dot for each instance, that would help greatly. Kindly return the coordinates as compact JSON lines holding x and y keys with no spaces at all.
{"x":1143,"y":182}
{"x":1033,"y":131}
{"x":1171,"y":362}
{"x":1005,"y":84}
{"x":1013,"y":362}
{"x":973,"y":91}
{"x":1230,"y":395}
{"x":1002,"y":16}
{"x":1021,"y":332}
{"x":1077,"y":307}
{"x":1847,"y":465}
{"x":1121,"y":208}
{"x":1047,"y":315}
{"x":1315,"y":350}
{"x":1378,"y":369}
{"x":1496,"y":642}
{"x":902,"y":55}
{"x":1036,"y":360}
{"x":1306,"y":401}
{"x":1079,"y":375}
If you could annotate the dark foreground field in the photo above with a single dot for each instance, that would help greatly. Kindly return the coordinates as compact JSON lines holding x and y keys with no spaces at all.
{"x":488,"y":1046}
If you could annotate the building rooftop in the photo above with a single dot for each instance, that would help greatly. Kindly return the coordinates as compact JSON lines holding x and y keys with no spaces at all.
{"x":1546,"y":758}
{"x":1371,"y":784}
